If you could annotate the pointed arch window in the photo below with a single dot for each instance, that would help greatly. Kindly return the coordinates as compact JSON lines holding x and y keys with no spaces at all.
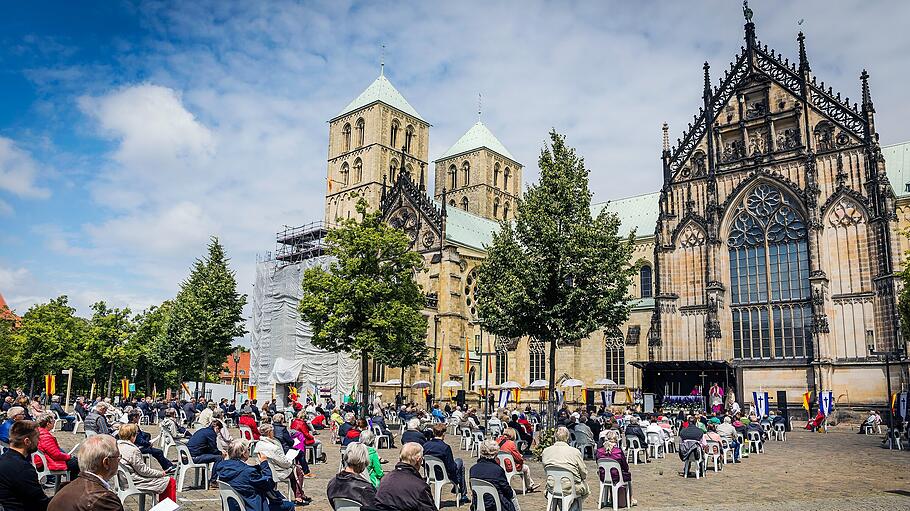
{"x":496,"y":174}
{"x":452,"y":203}
{"x":615,"y":353}
{"x":358,"y":170}
{"x":346,"y":137}
{"x":393,"y":171}
{"x":361,"y":125}
{"x":466,"y":173}
{"x":537,"y":360}
{"x":410,"y":170}
{"x":464,"y":203}
{"x":645,"y":279}
{"x":393,"y":135}
{"x":502,"y":365}
{"x":408,"y":138}
{"x":472,"y":375}
{"x":505,"y":211}
{"x":345,"y":173}
{"x":453,"y":176}
{"x":769,"y":278}
{"x":496,"y":207}
{"x":505,"y":179}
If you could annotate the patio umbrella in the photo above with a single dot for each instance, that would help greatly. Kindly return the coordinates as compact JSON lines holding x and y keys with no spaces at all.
{"x":604,"y":381}
{"x":451,"y":384}
{"x":539,"y":384}
{"x":396,"y":381}
{"x":479,"y":383}
{"x":572,"y":382}
{"x":509,"y":385}
{"x":420,"y":384}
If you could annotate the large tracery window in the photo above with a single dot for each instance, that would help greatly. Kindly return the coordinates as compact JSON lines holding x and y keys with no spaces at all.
{"x":769,"y":278}
{"x":502,"y":365}
{"x":537,"y":363}
{"x":615,"y":348}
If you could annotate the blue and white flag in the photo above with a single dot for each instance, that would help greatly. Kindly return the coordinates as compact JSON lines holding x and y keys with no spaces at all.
{"x":826,"y":402}
{"x":902,"y":404}
{"x":761,"y":403}
{"x":559,"y":398}
{"x":504,"y":397}
{"x":606,"y":397}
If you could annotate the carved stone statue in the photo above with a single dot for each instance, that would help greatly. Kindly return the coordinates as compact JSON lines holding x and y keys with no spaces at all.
{"x":747,"y":12}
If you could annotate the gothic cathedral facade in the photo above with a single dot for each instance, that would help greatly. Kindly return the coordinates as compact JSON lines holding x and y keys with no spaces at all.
{"x":767,"y":259}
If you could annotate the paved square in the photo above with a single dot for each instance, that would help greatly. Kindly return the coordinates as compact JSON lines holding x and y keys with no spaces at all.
{"x":836,"y":471}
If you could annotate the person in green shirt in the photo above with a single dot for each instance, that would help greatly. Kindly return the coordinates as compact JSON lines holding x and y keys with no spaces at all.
{"x":374,"y":467}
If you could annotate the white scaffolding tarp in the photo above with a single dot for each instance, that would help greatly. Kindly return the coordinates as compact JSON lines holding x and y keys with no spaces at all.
{"x":281,"y":352}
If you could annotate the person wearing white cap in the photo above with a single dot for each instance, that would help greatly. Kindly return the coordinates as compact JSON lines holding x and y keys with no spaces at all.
{"x":15,"y":413}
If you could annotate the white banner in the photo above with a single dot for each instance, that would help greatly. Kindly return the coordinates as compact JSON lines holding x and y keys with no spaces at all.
{"x":606,"y":397}
{"x":826,"y":402}
{"x":504,"y":397}
{"x":902,"y":405}
{"x":761,"y":403}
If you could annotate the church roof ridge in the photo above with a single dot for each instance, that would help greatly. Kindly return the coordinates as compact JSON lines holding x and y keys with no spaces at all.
{"x":383,"y":91}
{"x":478,"y":136}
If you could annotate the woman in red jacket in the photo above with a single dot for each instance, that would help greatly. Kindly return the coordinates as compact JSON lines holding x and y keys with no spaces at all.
{"x":506,"y":443}
{"x":247,"y":419}
{"x":57,"y":458}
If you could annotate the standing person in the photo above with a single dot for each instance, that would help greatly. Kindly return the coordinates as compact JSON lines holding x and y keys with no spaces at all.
{"x":145,"y":477}
{"x":98,"y":462}
{"x":405,"y":487}
{"x":563,"y":456}
{"x":486,"y":469}
{"x":19,"y":486}
{"x":438,"y":448}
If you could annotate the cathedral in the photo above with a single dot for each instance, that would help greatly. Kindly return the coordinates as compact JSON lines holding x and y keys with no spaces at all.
{"x":766,"y":260}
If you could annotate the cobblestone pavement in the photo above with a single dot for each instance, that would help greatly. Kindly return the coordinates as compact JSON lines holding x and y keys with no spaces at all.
{"x":810,"y":471}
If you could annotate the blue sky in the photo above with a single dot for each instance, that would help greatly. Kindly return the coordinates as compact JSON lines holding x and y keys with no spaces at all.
{"x":131,"y":132}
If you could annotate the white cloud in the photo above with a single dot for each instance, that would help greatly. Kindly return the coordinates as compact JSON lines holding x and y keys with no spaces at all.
{"x":18,"y":173}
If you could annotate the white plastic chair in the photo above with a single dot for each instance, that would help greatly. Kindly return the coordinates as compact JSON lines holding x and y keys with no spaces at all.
{"x":608,"y":466}
{"x":57,"y":420}
{"x":247,"y":434}
{"x":698,"y":458}
{"x":130,"y":490}
{"x":380,"y":437}
{"x":466,"y":438}
{"x":228,"y":494}
{"x":79,"y":424}
{"x":343,"y":504}
{"x":437,"y":478}
{"x":726,"y":450}
{"x":167,"y":442}
{"x":477,"y":440}
{"x":481,"y":488}
{"x":780,"y":432}
{"x":715,"y":452}
{"x":755,"y":442}
{"x":185,"y":463}
{"x":634,"y":449}
{"x":655,"y":445}
{"x":504,"y":457}
{"x":566,"y":500}
{"x":45,"y":472}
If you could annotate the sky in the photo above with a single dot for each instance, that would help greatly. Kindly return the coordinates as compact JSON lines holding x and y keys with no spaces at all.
{"x":132,"y":132}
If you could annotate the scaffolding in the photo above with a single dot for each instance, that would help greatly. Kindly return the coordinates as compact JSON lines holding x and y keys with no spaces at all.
{"x":296,"y":244}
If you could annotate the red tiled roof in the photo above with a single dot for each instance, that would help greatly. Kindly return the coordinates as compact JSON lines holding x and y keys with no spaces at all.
{"x":243,"y":367}
{"x":5,"y":312}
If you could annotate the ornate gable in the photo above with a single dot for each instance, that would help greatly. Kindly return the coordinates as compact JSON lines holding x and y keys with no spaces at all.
{"x":757,"y":114}
{"x":406,"y":206}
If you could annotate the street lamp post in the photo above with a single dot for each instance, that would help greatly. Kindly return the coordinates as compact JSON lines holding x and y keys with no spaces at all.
{"x":69,"y":384}
{"x":236,"y":379}
{"x":889,"y":356}
{"x":485,"y":363}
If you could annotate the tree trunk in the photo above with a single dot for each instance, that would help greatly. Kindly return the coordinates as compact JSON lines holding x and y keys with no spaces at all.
{"x":110,"y":380}
{"x":551,"y":394}
{"x":365,"y":383}
{"x":205,"y":367}
{"x":31,"y":388}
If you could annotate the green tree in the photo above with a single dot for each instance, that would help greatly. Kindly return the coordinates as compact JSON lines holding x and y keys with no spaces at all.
{"x":156,"y":356}
{"x":557,"y":273}
{"x":208,"y":312}
{"x":47,"y":334}
{"x":107,"y":346}
{"x":367,"y":303}
{"x":903,"y":299}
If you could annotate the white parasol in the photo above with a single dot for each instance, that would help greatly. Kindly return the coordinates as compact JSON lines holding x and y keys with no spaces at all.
{"x":539,"y":384}
{"x":451,"y":384}
{"x":509,"y":385}
{"x":572,"y":382}
{"x":604,"y":381}
{"x":479,"y":383}
{"x":420,"y":384}
{"x":393,"y":382}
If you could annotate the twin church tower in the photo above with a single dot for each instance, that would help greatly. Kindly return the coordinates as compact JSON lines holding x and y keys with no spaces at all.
{"x":379,"y":132}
